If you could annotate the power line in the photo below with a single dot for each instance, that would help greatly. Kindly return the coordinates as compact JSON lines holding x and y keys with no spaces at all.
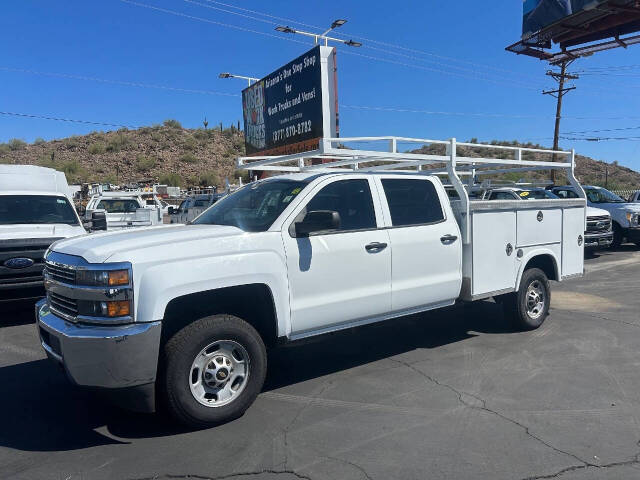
{"x":355,"y":107}
{"x":206,"y":20}
{"x":602,"y":130}
{"x":390,"y":52}
{"x":118,"y":82}
{"x":236,"y":27}
{"x":71,"y":120}
{"x":429,"y":69}
{"x":369,"y":40}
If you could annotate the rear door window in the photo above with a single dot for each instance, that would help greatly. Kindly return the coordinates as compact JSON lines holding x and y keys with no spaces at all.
{"x":412,"y":201}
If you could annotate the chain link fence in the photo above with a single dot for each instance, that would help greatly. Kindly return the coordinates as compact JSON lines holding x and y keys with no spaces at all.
{"x":624,"y":193}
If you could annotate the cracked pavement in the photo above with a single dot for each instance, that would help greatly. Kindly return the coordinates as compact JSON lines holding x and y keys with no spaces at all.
{"x":451,"y":394}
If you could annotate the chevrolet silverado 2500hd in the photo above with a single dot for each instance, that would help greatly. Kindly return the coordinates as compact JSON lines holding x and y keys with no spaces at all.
{"x":285,"y":258}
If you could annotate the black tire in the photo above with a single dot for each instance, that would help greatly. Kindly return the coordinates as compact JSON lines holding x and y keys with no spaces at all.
{"x":516,"y":304}
{"x":618,"y":236}
{"x":179,"y":354}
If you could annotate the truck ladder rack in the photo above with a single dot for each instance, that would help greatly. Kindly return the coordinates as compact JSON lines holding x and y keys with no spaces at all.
{"x":334,"y":155}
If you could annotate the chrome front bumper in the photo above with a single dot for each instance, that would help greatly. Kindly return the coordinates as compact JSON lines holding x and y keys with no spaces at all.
{"x":592,"y":240}
{"x":113,"y":357}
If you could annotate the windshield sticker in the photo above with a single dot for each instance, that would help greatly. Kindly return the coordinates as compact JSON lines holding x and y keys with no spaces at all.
{"x":296,"y":191}
{"x":61,"y":201}
{"x":524,"y":194}
{"x":287,"y":199}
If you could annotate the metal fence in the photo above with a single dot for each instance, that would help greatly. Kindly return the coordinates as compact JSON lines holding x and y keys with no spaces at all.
{"x":624,"y":193}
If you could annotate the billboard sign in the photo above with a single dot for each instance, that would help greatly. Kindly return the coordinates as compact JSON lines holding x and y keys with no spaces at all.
{"x":538,"y":14}
{"x":291,"y":109}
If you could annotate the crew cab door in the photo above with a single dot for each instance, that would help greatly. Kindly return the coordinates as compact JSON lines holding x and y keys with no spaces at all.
{"x":336,"y":277}
{"x":426,"y":246}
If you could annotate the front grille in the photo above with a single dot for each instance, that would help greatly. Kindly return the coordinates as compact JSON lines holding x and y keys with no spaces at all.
{"x":599,"y":224}
{"x":31,"y":248}
{"x":60,"y":273}
{"x":62,"y":304}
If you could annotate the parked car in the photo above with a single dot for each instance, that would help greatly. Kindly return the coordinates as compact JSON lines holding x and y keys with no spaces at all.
{"x":35,"y":210}
{"x":286,"y":258}
{"x":193,"y":206}
{"x":625,"y":216}
{"x":599,"y":232}
{"x":123,"y":210}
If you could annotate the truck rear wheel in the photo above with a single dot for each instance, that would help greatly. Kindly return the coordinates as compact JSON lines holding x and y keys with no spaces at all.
{"x":213,"y":369}
{"x":529,"y":306}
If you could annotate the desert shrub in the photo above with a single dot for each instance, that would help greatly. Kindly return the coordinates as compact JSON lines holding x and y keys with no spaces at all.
{"x":201,"y":135}
{"x":144,"y":164}
{"x":243,"y":174}
{"x":209,"y":179}
{"x":188,"y":158}
{"x":71,"y":142}
{"x":47,"y":160}
{"x":4,"y":148}
{"x":145,"y":130}
{"x":39,"y":141}
{"x":16,"y":144}
{"x":73,"y":171}
{"x":171,"y":179}
{"x":171,"y":123}
{"x":117,"y":143}
{"x":97,"y":148}
{"x":190,"y":144}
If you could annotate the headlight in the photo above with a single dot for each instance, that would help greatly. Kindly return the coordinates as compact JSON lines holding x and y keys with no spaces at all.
{"x":118,"y":308}
{"x":101,"y":278}
{"x":632,"y":218}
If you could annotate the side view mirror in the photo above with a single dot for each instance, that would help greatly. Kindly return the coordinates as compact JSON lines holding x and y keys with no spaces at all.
{"x":171,"y":210}
{"x":317,"y":221}
{"x":98,"y":221}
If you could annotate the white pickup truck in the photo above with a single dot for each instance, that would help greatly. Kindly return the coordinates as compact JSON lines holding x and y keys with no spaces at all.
{"x":123,"y":210}
{"x":290,"y":257}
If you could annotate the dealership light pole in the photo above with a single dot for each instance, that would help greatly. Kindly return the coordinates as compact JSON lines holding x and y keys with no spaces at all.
{"x":322,"y":36}
{"x":231,"y":75}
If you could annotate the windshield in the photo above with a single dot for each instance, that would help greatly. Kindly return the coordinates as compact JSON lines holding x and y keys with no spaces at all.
{"x":535,"y":194}
{"x":254,"y":207}
{"x":114,"y":205}
{"x":600,"y":195}
{"x":36,"y":209}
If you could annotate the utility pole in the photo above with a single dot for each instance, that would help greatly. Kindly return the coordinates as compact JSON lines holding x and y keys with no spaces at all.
{"x":560,"y":77}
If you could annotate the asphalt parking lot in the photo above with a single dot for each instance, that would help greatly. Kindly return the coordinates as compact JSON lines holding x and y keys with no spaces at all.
{"x":451,"y":394}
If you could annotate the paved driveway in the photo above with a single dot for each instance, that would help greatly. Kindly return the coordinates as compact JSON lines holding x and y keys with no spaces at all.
{"x":451,"y":394}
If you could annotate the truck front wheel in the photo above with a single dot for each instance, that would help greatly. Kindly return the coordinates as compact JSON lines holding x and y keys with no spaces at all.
{"x":212,"y":370}
{"x":529,"y":306}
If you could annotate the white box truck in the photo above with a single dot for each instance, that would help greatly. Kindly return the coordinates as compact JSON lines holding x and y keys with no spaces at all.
{"x":321,"y":248}
{"x":35,"y":211}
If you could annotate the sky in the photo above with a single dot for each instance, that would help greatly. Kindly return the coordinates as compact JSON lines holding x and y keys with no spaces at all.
{"x":427,"y":69}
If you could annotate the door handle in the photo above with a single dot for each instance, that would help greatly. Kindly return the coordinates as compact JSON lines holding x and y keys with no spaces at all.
{"x":448,"y":239}
{"x":375,"y":247}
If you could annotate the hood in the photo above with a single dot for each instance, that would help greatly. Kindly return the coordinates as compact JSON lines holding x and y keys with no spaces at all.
{"x":625,"y":207}
{"x":99,"y":247}
{"x":55,"y":230}
{"x":597,"y":212}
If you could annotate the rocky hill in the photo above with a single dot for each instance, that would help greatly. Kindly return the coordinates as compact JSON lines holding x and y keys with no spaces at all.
{"x":588,"y":170}
{"x":174,"y":155}
{"x":164,"y":153}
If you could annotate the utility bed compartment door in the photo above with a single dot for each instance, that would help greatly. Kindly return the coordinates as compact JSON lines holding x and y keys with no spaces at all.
{"x":539,"y":227}
{"x":493,"y":261}
{"x":572,"y":250}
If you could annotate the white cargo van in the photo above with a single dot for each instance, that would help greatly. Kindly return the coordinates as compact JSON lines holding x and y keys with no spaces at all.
{"x":35,"y":210}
